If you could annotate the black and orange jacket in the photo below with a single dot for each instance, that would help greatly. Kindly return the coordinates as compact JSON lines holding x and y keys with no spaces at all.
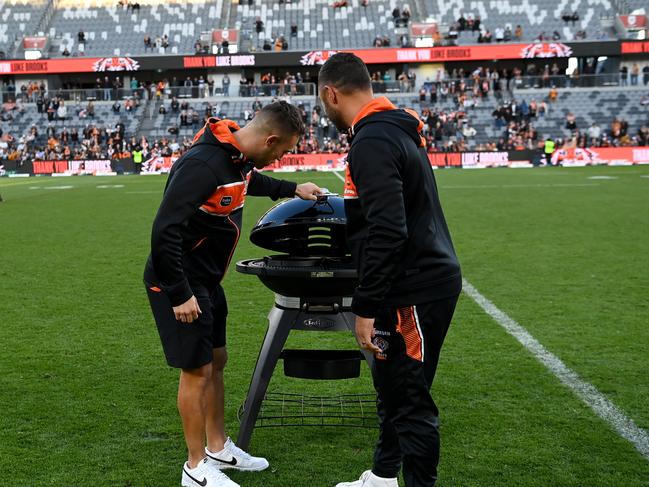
{"x":198,"y":224}
{"x":395,"y":225}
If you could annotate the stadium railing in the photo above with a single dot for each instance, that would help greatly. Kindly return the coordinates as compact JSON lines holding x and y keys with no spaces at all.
{"x":180,"y":92}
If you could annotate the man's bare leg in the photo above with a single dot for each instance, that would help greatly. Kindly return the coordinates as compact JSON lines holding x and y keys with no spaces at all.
{"x":192,"y":404}
{"x":215,"y":403}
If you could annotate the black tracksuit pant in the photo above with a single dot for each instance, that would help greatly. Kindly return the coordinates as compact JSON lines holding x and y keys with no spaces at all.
{"x":411,"y":339}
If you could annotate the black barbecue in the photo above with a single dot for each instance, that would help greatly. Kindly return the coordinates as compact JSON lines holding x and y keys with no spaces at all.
{"x":313,"y":280}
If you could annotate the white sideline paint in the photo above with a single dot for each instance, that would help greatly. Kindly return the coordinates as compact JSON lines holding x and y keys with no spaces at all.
{"x":594,"y":399}
{"x":588,"y":393}
{"x":339,"y":176}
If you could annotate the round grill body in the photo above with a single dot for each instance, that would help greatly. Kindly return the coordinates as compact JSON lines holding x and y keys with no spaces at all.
{"x":303,"y":276}
{"x":303,"y":228}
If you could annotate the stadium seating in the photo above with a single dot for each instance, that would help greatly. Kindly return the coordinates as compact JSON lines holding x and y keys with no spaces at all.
{"x":234,"y":109}
{"x":111,"y":29}
{"x":18,"y":18}
{"x":533,"y":16}
{"x":104,"y":117}
{"x":320,"y":26}
{"x":588,"y":106}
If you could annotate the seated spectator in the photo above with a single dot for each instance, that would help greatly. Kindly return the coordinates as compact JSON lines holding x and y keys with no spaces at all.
{"x":81,"y":37}
{"x":65,"y":52}
{"x":396,"y":14}
{"x":405,"y":15}
{"x":164,"y":42}
{"x":267,"y":46}
{"x":116,"y":107}
{"x":507,"y":37}
{"x":62,"y":111}
{"x":566,"y":16}
{"x":580,"y":35}
{"x":365,"y":3}
{"x":293,"y":29}
{"x":175,"y":106}
{"x":571,"y":122}
{"x":340,"y":4}
{"x":162,"y":110}
{"x":259,"y":25}
{"x":518,"y":33}
{"x":574,"y":18}
{"x":148,"y":44}
{"x":500,"y":34}
{"x":556,"y":36}
{"x":477,"y":24}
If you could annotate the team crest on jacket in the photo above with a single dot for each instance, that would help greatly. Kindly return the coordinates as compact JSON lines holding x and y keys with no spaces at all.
{"x":226,"y":201}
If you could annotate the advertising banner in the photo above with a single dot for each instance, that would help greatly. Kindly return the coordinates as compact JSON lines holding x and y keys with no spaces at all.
{"x":610,"y":156}
{"x":72,"y":167}
{"x":479,"y":52}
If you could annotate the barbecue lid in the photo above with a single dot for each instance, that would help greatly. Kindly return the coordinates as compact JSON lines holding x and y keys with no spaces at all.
{"x":304,"y":228}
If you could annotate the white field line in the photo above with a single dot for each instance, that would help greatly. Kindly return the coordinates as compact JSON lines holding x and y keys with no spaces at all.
{"x":339,"y":176}
{"x":594,"y":399}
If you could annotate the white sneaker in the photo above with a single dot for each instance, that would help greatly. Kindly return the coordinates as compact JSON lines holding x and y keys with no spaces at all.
{"x":205,"y":475}
{"x":234,"y":457}
{"x":368,"y":479}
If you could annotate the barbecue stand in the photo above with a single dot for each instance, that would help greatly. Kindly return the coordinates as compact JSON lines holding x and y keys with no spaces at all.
{"x":313,"y":281}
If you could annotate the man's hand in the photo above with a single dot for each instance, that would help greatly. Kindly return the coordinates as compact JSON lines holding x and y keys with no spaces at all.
{"x":308,"y":191}
{"x":365,"y":333}
{"x":188,"y":311}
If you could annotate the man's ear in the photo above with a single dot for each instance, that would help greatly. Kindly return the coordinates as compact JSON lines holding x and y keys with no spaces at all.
{"x":271,"y":140}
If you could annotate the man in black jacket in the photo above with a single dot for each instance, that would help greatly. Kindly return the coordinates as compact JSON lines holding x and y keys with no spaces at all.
{"x":193,"y":239}
{"x":409,"y":275}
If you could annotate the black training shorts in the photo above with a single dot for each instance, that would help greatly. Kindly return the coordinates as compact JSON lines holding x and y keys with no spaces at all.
{"x":190,"y":345}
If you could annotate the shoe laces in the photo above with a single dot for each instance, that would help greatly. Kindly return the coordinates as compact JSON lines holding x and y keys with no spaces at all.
{"x":216,"y":473}
{"x":233,"y":448}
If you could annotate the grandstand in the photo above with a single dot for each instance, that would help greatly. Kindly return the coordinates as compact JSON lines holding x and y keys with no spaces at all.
{"x":114,"y":28}
{"x":18,"y":18}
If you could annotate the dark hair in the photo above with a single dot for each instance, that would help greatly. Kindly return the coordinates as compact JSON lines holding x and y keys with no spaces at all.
{"x":284,"y":117}
{"x":345,"y":71}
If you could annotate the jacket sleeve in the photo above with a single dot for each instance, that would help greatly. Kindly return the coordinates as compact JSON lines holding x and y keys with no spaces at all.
{"x":190,"y":186}
{"x":375,"y":171}
{"x":262,"y":185}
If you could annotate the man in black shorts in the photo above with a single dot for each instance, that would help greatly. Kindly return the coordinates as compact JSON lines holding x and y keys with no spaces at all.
{"x":194,"y":236}
{"x":409,"y":275}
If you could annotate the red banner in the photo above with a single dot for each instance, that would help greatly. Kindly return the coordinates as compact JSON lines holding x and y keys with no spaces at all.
{"x":610,"y":156}
{"x":34,"y":42}
{"x":231,"y":35}
{"x":75,"y":65}
{"x":72,"y":167}
{"x":635,"y":47}
{"x":634,"y":22}
{"x":455,"y":53}
{"x":309,"y":162}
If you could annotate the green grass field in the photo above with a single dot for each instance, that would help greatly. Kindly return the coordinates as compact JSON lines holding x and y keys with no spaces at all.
{"x":87,"y":399}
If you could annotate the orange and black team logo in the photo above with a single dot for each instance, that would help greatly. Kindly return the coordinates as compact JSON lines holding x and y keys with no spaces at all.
{"x":350,"y":187}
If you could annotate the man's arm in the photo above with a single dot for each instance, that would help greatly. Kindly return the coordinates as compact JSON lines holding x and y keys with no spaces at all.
{"x":262,"y":185}
{"x":190,"y":186}
{"x":375,"y":171}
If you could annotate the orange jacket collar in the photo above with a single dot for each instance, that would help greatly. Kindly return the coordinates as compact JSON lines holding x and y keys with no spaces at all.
{"x":223,"y":131}
{"x":380,"y":104}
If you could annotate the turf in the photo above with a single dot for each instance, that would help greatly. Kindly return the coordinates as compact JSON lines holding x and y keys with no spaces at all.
{"x":87,"y":398}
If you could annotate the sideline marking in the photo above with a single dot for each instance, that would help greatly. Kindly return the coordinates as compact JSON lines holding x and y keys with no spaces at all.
{"x":587,"y":392}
